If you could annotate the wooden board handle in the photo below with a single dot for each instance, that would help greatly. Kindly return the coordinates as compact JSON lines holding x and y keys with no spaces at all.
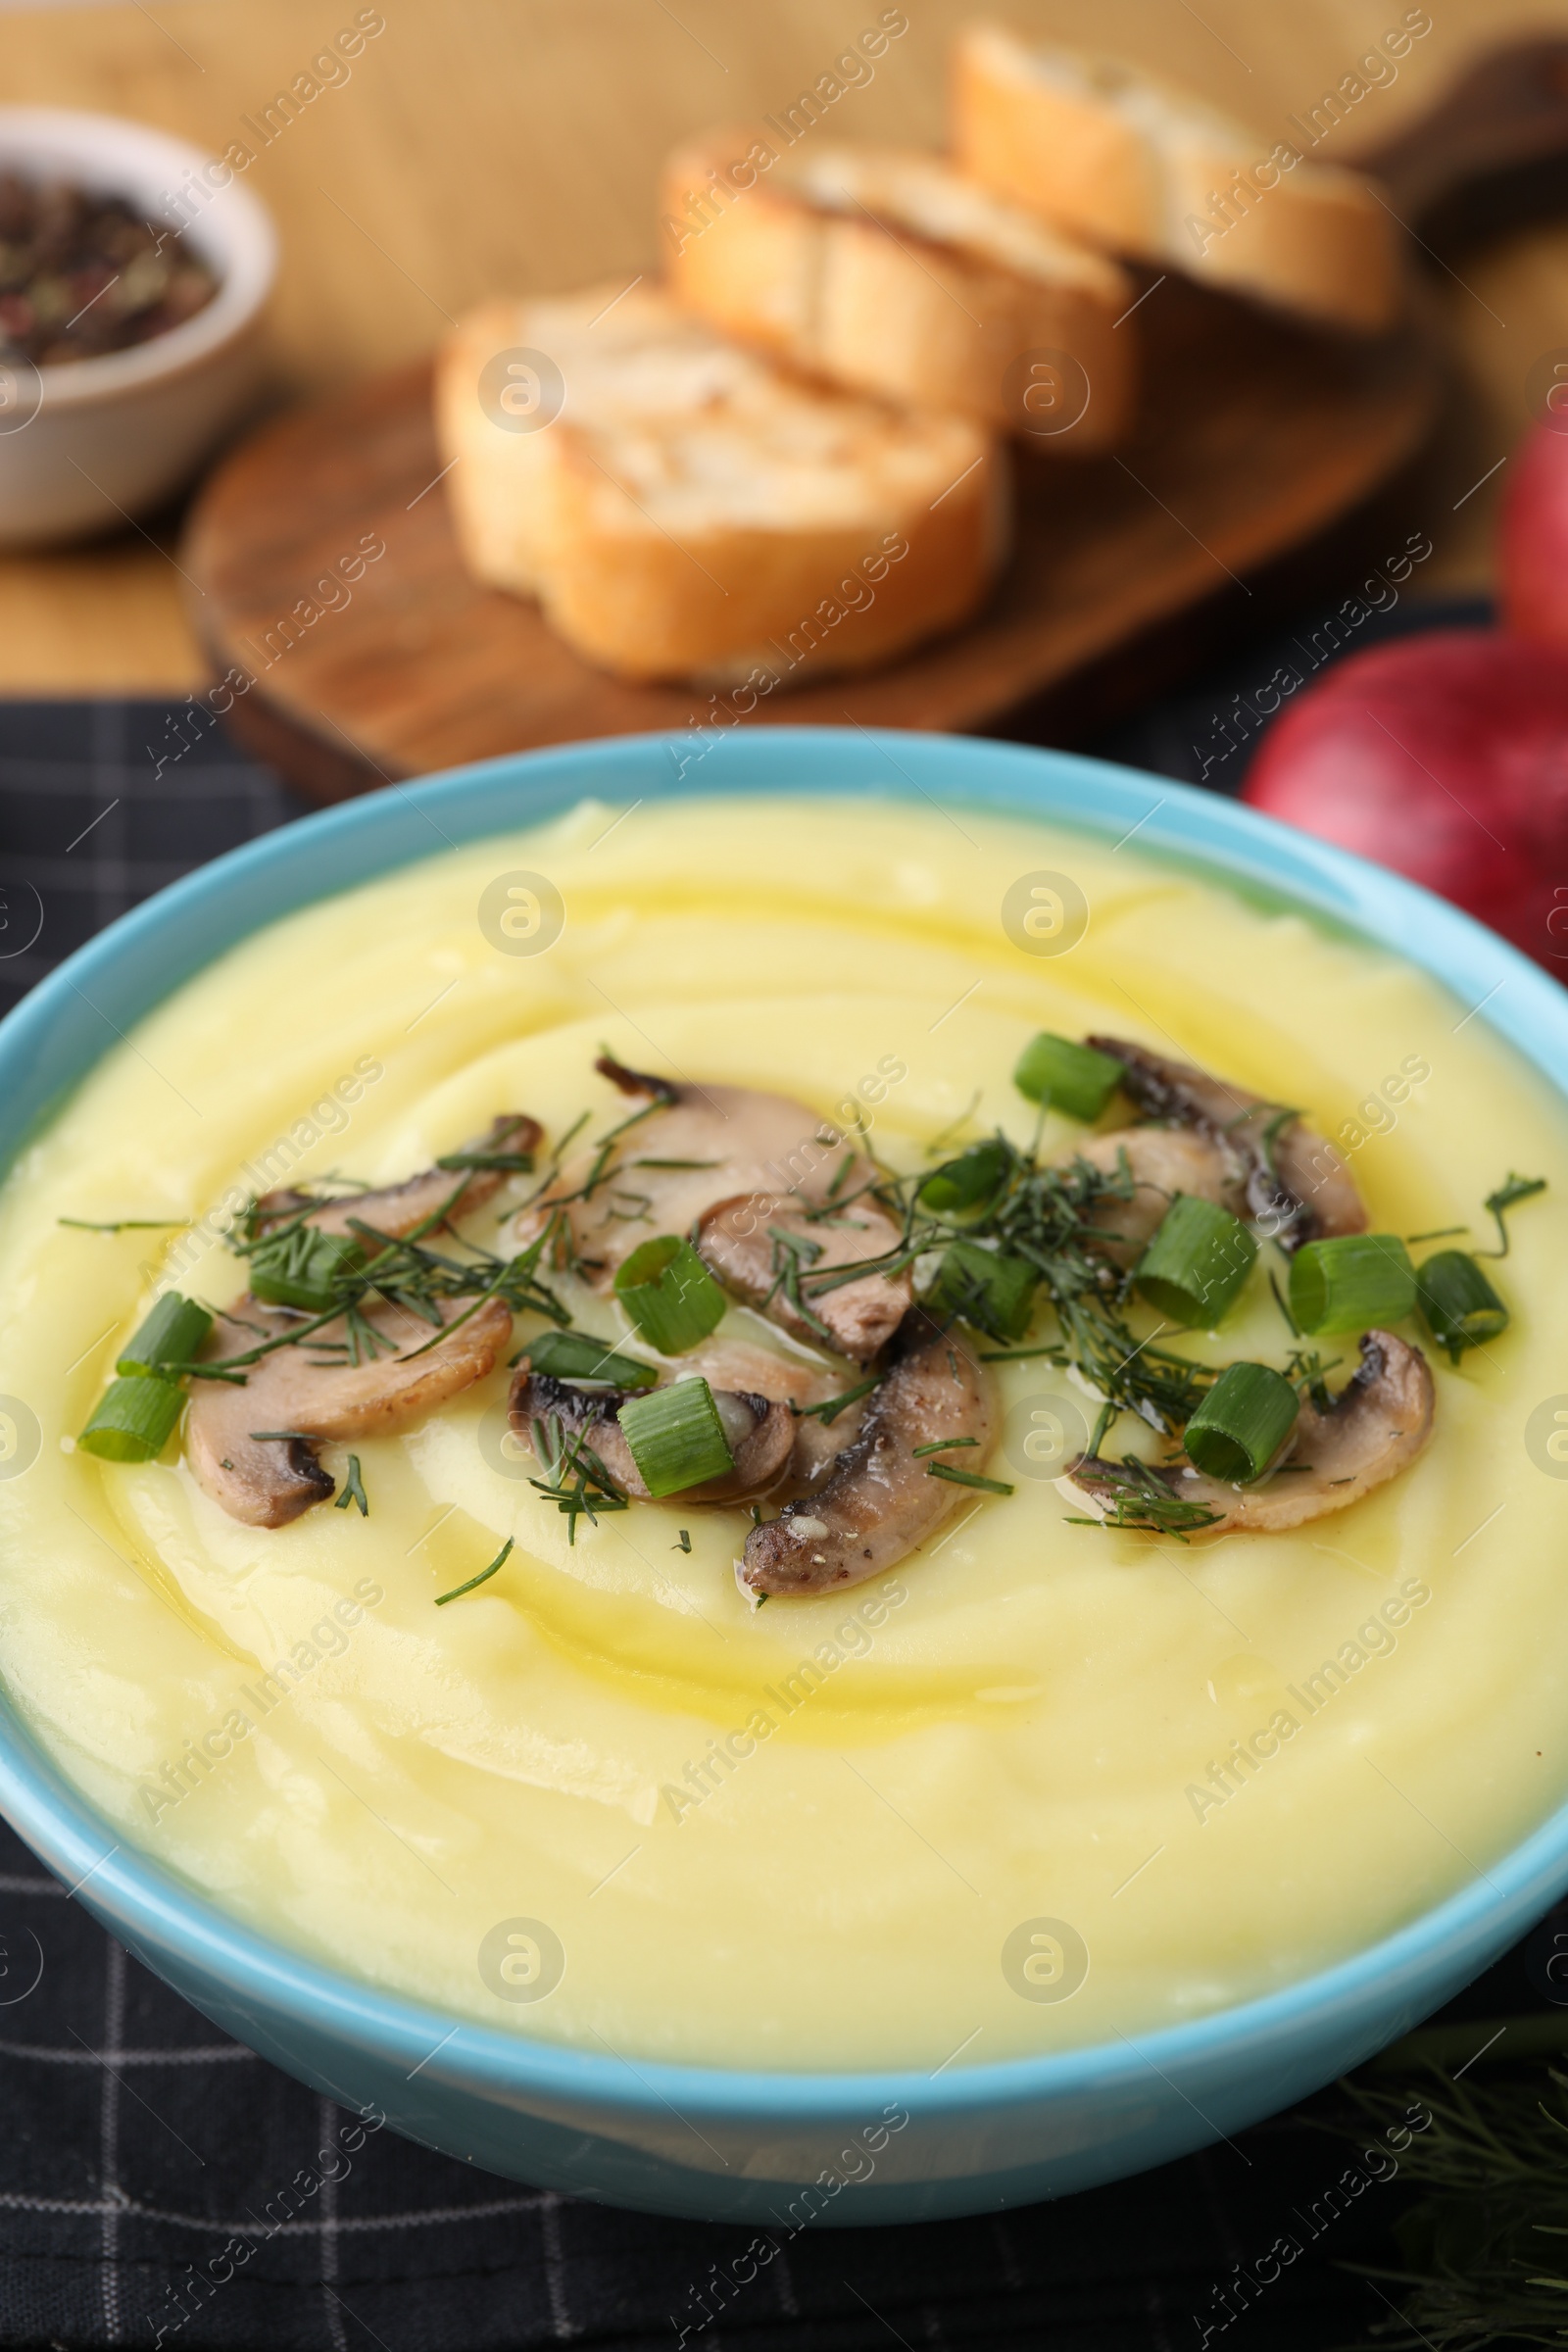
{"x":1491,"y":154}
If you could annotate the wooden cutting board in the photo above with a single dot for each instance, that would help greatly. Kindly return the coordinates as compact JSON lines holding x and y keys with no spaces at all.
{"x":1255,"y":437}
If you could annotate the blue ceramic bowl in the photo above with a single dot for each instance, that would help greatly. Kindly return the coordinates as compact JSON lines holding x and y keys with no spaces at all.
{"x":719,"y":2145}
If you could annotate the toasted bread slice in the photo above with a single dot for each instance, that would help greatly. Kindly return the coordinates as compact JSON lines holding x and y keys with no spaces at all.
{"x":686,"y":508}
{"x":891,"y":273}
{"x":1143,"y":170}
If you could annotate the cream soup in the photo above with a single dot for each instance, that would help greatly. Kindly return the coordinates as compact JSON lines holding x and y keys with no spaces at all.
{"x":1039,"y":1783}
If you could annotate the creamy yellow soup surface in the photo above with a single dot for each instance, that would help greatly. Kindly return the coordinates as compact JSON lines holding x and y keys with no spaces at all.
{"x":1040,"y":1785}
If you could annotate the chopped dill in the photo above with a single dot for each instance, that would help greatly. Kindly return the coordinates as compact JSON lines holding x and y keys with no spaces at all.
{"x":125,"y":1224}
{"x":1283,"y":1304}
{"x":500,"y":1163}
{"x":1507,"y":1195}
{"x":353,"y":1490}
{"x":483,"y":1577}
{"x":1141,"y":1500}
{"x":828,"y":1412}
{"x":575,"y":1480}
{"x":403,"y":1271}
{"x":1308,"y":1374}
{"x":969,"y":1478}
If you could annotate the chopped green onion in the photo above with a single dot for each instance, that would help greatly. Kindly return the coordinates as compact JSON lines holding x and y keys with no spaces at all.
{"x":966,"y":1478}
{"x":1241,"y":1423}
{"x":992,"y":1291}
{"x":353,"y":1489}
{"x":1196,"y":1265}
{"x":669,"y":1293}
{"x":483,"y":1577}
{"x":1350,"y":1283}
{"x":1062,"y":1076}
{"x":133,"y":1420}
{"x":968,"y":1182}
{"x":304,"y":1268}
{"x":676,"y":1437}
{"x":572,"y":1355}
{"x":1460,"y":1306}
{"x":170,"y":1335}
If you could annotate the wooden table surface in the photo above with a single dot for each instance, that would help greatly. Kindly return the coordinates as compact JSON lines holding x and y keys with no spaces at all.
{"x":512,"y":144}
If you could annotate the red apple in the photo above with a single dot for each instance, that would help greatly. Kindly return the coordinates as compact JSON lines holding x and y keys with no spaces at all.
{"x":1533,"y":545}
{"x":1445,"y":757}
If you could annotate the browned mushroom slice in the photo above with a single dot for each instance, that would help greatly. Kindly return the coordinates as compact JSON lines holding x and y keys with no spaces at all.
{"x":398,"y":1208}
{"x":698,"y":1146}
{"x":1288,"y":1174}
{"x":774,"y":1255}
{"x":760,"y":1429}
{"x":267,"y":1481}
{"x":743,"y":1367}
{"x":1161,"y":1162}
{"x":1375,"y":1427}
{"x":880,"y":1499}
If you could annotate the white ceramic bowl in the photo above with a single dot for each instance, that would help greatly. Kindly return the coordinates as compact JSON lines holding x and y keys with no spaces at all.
{"x":86,"y":445}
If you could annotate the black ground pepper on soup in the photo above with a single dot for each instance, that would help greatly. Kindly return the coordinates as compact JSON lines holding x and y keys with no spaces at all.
{"x":82,"y":275}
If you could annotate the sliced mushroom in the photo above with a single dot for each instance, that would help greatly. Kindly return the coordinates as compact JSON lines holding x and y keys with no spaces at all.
{"x":760,"y":1429}
{"x":1287,"y":1173}
{"x":267,"y":1482}
{"x":698,"y":1146}
{"x":880,"y":1499}
{"x":774,"y":1256}
{"x":1375,"y":1427}
{"x":398,"y":1208}
{"x":744,"y":1368}
{"x":1162,"y":1161}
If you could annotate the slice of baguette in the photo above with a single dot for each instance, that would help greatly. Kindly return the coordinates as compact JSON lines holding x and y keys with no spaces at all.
{"x":891,"y":273}
{"x":1147,"y":171}
{"x":694,"y":510}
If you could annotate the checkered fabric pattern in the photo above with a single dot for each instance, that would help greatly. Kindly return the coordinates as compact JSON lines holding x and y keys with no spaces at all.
{"x":140,"y":2147}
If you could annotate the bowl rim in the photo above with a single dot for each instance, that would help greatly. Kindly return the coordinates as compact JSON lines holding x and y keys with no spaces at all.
{"x":300,"y":863}
{"x":234,"y":232}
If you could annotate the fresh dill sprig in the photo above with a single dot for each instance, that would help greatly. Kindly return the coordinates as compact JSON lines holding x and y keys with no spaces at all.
{"x":1053,"y":1217}
{"x":828,"y":1412}
{"x":125,"y":1224}
{"x":1309,"y":1374}
{"x":353,"y":1490}
{"x":967,"y":1478}
{"x":1141,"y":1500}
{"x":1482,"y":2255}
{"x":483,"y":1577}
{"x":574,"y":1480}
{"x":404,"y":1272}
{"x":792,"y":1254}
{"x":1507,"y":1195}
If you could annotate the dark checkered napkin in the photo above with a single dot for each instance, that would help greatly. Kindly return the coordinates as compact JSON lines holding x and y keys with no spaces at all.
{"x":101,"y":804}
{"x":161,"y":2185}
{"x":158,"y":2177}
